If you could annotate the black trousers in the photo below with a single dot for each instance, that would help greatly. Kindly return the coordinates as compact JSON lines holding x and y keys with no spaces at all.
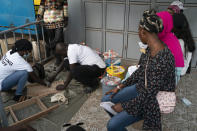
{"x":86,"y":74}
{"x":53,"y":36}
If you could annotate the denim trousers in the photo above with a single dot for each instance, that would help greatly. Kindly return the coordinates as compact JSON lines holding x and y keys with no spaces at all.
{"x":120,"y":121}
{"x":178,"y":74}
{"x":18,"y":78}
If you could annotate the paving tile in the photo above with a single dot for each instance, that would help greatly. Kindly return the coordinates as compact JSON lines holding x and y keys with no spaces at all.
{"x":192,"y":117}
{"x":178,"y":127}
{"x":184,"y":118}
{"x":192,"y":109}
{"x":193,"y":126}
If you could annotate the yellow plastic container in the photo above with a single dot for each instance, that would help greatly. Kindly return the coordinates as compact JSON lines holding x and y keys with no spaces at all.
{"x":117,"y":71}
{"x":37,"y":2}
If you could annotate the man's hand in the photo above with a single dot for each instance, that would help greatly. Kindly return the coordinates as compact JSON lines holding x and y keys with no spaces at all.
{"x":51,"y":79}
{"x":48,"y":84}
{"x":60,"y":87}
{"x":42,"y":82}
{"x":117,"y":108}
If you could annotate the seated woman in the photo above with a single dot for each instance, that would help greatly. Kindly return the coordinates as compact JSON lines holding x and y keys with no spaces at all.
{"x":14,"y":70}
{"x":183,"y":33}
{"x":133,"y":101}
{"x":172,"y":42}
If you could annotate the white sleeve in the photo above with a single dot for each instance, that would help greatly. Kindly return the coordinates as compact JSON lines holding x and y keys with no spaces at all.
{"x":72,"y":56}
{"x":186,"y":63}
{"x":21,"y":64}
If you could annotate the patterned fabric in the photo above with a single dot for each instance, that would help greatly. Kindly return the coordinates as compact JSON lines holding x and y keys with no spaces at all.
{"x":160,"y":77}
{"x":54,"y":13}
{"x":167,"y":101}
{"x":151,"y":22}
{"x":175,"y":9}
{"x":110,"y":54}
{"x":54,"y":25}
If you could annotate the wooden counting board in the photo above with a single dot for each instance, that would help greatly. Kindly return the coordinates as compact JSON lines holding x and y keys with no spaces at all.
{"x":35,"y":100}
{"x":37,"y":90}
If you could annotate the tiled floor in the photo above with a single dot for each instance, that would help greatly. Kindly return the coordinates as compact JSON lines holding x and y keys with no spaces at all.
{"x":184,"y":118}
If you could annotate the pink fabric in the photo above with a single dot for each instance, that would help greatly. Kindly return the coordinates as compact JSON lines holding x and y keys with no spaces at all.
{"x":170,"y":39}
{"x":175,"y":8}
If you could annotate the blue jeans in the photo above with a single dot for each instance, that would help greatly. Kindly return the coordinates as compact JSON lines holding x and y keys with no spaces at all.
{"x":122,"y":119}
{"x":18,"y":78}
{"x":178,"y":74}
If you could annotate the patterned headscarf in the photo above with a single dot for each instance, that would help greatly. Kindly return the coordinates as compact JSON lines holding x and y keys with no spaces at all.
{"x":151,"y":22}
{"x":175,"y":9}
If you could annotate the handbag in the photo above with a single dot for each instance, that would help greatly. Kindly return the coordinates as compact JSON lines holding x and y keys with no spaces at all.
{"x":166,"y":100}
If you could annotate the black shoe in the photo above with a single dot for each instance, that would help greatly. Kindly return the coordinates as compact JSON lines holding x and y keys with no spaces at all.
{"x":91,"y":89}
{"x":88,"y":90}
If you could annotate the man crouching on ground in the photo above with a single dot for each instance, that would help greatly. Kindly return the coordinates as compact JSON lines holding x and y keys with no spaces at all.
{"x":83,"y":64}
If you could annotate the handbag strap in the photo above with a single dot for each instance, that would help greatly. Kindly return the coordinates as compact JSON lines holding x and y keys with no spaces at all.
{"x":145,"y":72}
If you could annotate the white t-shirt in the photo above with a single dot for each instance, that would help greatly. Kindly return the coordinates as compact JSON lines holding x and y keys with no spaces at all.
{"x":84,"y":55}
{"x":11,"y":63}
{"x":187,"y":58}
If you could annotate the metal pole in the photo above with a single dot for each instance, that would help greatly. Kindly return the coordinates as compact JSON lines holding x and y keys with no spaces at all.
{"x":6,"y":41}
{"x":16,"y":28}
{"x":3,"y":114}
{"x":22,"y":33}
{"x":30,"y":39}
{"x":44,"y":42}
{"x":1,"y":53}
{"x":14,"y":36}
{"x":104,"y":21}
{"x":37,"y":37}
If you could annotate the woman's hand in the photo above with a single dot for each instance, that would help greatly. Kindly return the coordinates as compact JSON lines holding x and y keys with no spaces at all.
{"x":115,"y":90}
{"x":117,"y":108}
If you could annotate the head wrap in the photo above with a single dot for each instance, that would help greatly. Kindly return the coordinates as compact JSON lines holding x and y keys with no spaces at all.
{"x":175,"y":9}
{"x":151,"y":22}
{"x":170,"y":39}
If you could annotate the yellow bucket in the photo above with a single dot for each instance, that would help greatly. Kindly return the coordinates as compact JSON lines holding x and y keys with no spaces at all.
{"x":37,"y":2}
{"x":117,"y":71}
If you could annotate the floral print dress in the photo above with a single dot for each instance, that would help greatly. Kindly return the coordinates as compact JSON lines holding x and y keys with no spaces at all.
{"x":160,"y":77}
{"x":54,"y":13}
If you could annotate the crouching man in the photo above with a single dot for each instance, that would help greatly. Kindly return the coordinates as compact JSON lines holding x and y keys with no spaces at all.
{"x":83,"y":64}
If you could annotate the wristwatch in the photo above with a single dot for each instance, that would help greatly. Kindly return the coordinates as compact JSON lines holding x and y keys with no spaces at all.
{"x":118,"y":87}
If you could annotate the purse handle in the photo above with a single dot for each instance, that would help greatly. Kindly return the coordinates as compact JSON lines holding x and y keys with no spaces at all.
{"x":145,"y":72}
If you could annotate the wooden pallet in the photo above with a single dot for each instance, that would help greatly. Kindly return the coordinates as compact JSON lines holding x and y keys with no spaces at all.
{"x":22,"y":105}
{"x":37,"y":90}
